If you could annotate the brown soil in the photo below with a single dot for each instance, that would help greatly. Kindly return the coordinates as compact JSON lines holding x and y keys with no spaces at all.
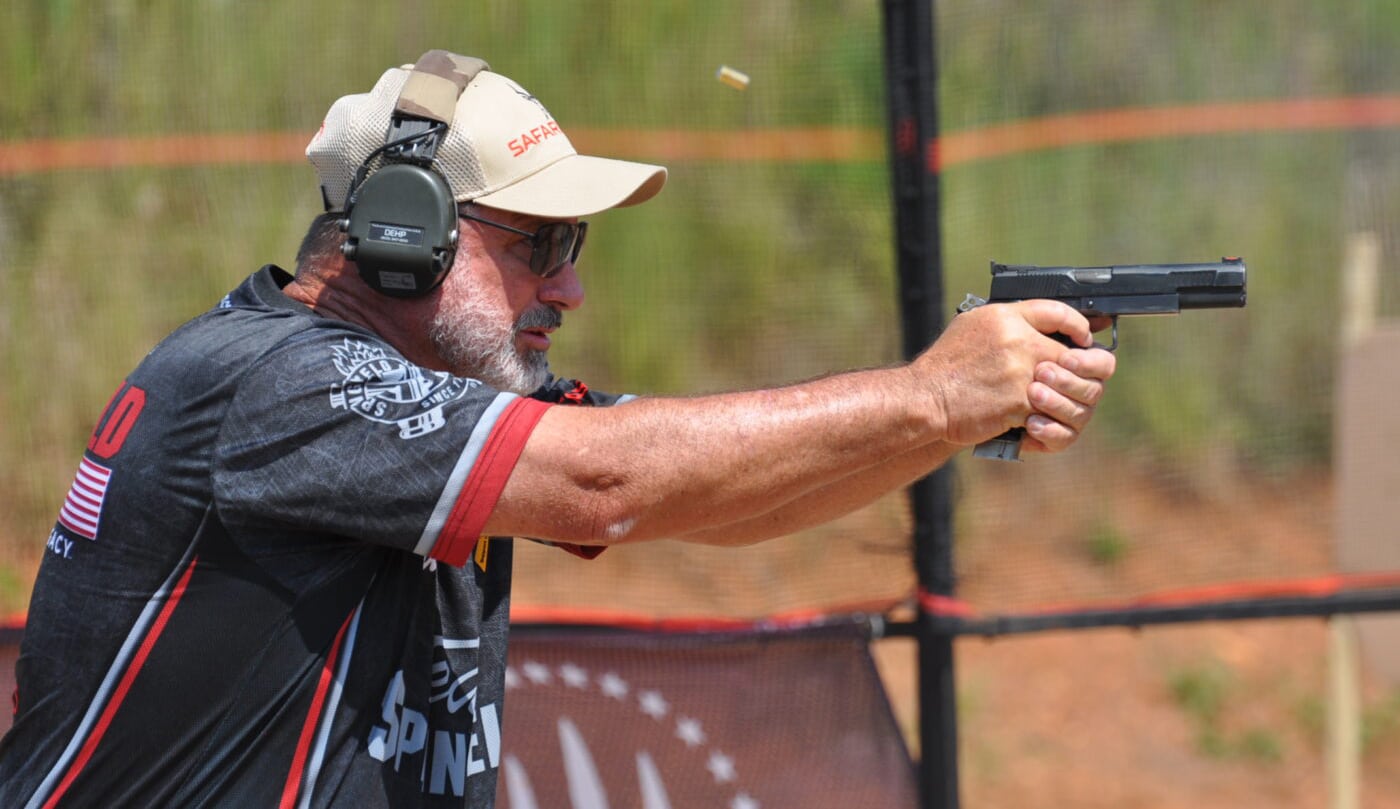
{"x":1090,"y":719}
{"x":1224,"y":714}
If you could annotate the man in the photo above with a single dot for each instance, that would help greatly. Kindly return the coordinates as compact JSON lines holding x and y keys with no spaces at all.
{"x":281,"y":576}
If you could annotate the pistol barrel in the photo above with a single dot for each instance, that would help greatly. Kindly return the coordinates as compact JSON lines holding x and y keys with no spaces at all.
{"x":1213,"y":298}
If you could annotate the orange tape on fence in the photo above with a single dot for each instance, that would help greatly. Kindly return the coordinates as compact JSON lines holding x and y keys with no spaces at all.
{"x":809,"y":144}
{"x":586,"y":616}
{"x":1148,"y":123}
{"x":53,"y":154}
{"x":1314,"y":587}
{"x":813,"y":145}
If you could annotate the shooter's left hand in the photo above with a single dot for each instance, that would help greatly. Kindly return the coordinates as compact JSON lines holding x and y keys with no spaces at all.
{"x":1064,"y":395}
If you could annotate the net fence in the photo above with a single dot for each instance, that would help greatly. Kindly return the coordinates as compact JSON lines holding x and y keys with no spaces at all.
{"x":1236,"y":466}
{"x":1078,"y":134}
{"x":151,"y":157}
{"x":159,"y":162}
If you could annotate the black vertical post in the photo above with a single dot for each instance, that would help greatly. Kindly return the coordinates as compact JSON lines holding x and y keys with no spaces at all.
{"x":912,"y":81}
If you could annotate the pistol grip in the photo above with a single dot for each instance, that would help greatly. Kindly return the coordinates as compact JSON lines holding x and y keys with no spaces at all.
{"x":1005,"y":447}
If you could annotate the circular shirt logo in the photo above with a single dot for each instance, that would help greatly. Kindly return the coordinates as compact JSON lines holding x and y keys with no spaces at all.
{"x":391,"y":390}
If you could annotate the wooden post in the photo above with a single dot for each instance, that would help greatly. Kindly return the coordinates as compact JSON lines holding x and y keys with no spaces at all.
{"x":1360,"y":287}
{"x":1361,"y":284}
{"x":1343,"y":716}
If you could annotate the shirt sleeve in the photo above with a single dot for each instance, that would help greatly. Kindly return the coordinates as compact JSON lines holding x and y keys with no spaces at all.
{"x":333,"y":432}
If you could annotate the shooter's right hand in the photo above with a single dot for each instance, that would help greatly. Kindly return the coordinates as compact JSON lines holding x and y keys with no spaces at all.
{"x":996,"y":367}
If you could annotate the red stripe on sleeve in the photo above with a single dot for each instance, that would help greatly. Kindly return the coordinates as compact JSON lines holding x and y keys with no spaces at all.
{"x":313,"y":715}
{"x":487,"y":480}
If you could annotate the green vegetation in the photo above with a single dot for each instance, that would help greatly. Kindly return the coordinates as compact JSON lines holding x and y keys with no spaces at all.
{"x":743,"y":272}
{"x":1310,"y":712}
{"x":1106,"y":545}
{"x":1201,"y":691}
{"x":1260,"y":744}
{"x":1204,"y":694}
{"x":1380,"y":722}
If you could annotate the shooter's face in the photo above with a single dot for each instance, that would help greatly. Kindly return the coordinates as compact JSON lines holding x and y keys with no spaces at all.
{"x":494,"y":317}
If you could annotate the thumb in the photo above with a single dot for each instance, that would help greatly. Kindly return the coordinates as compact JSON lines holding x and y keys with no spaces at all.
{"x":1052,"y":317}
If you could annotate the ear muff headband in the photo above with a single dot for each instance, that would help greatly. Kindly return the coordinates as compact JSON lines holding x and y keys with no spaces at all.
{"x":401,"y":221}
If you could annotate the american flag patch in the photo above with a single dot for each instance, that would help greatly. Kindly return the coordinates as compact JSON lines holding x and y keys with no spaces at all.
{"x":83,"y":508}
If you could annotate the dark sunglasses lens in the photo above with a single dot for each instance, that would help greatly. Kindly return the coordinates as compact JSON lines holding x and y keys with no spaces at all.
{"x":578,"y":241}
{"x":554,"y":245}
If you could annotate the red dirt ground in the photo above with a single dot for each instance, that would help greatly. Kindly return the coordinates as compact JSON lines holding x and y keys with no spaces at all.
{"x":1088,"y":719}
{"x":1103,"y":718}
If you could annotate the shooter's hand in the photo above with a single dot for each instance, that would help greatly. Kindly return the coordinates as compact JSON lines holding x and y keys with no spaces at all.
{"x":984,"y":369}
{"x":1064,"y":394}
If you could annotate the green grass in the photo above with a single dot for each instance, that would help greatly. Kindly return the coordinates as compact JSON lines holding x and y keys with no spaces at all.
{"x":1106,"y":545}
{"x":1380,"y":722}
{"x":1202,"y":691}
{"x":1209,"y":694}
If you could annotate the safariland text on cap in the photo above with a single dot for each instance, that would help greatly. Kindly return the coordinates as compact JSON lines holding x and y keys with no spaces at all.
{"x":503,"y":150}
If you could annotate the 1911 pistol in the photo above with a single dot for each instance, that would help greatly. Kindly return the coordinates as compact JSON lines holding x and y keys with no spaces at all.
{"x":1132,"y":289}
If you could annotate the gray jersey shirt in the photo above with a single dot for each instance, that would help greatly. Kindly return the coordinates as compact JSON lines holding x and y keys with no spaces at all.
{"x":268,"y":585}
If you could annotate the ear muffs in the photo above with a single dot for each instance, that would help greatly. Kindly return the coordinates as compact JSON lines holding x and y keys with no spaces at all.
{"x":401,"y":222}
{"x":402,"y":230}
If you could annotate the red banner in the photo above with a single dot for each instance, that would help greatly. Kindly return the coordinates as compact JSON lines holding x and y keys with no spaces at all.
{"x":600,"y":718}
{"x":611,"y":719}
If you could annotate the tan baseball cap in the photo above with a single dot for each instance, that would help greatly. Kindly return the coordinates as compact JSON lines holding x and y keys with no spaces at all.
{"x":503,"y":149}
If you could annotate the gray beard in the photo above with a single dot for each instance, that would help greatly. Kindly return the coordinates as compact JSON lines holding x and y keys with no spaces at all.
{"x":472,"y":347}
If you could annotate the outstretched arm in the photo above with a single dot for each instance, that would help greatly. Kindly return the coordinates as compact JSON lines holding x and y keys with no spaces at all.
{"x":657,"y":468}
{"x":1065,"y":403}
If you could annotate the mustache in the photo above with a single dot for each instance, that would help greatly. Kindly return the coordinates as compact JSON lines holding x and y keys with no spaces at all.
{"x":544,"y":317}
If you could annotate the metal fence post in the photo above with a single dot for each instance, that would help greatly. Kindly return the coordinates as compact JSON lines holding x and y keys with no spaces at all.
{"x":911,"y":79}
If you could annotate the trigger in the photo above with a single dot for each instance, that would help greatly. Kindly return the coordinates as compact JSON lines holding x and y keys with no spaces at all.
{"x":1114,"y":346}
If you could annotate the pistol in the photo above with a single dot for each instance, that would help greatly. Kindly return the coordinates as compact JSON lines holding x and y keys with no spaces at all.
{"x":1132,"y":289}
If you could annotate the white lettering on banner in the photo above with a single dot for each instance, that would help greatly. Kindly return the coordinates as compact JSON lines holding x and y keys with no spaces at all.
{"x":444,"y":758}
{"x":653,"y":789}
{"x":585,"y":784}
{"x":581,"y":772}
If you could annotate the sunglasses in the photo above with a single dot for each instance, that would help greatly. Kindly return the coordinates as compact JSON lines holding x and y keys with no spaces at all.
{"x":551,"y":247}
